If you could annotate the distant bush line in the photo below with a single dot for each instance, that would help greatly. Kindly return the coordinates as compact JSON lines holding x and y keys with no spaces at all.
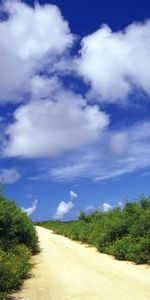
{"x":123,"y":233}
{"x":18,"y":241}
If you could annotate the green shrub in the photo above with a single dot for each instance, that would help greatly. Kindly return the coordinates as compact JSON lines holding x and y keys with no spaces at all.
{"x":18,"y":240}
{"x":84,"y":234}
{"x":14,"y":267}
{"x":123,"y":233}
{"x":119,"y":248}
{"x":15,"y":226}
{"x":139,"y":251}
{"x":3,"y":296}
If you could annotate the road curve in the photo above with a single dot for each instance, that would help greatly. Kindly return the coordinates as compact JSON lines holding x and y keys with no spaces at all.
{"x":67,"y":270}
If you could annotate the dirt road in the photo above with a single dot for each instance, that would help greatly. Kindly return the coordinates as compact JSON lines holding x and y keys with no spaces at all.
{"x":67,"y":270}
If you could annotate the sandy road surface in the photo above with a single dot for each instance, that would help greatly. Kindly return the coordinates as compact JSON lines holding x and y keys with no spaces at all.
{"x":67,"y":270}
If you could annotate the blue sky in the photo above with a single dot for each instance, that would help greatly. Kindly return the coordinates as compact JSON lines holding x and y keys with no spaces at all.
{"x":74,"y":104}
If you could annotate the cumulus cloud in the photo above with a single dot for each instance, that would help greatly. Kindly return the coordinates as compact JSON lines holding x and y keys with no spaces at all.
{"x":63,"y":124}
{"x":42,"y":87}
{"x":30,"y":210}
{"x":32,"y":38}
{"x":116,"y":63}
{"x":65,"y":207}
{"x":106,"y":207}
{"x":55,"y":121}
{"x":9,"y":176}
{"x":38,"y":38}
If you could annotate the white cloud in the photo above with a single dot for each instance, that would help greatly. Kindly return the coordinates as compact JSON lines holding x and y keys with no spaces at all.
{"x":134,"y":156}
{"x":56,"y":121}
{"x":30,"y":210}
{"x":9,"y":176}
{"x":42,"y":87}
{"x":114,"y":63}
{"x":73,"y":195}
{"x":38,"y":38}
{"x":78,"y":165}
{"x":69,"y":171}
{"x":63,"y":209}
{"x":32,"y":38}
{"x":106,"y":159}
{"x":48,"y":128}
{"x":119,"y":142}
{"x":107,"y":207}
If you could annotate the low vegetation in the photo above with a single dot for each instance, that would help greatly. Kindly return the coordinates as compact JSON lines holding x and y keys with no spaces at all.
{"x":123,"y":233}
{"x":18,"y":241}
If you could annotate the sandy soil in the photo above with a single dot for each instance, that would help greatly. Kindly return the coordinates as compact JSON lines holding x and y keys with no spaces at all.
{"x":67,"y":270}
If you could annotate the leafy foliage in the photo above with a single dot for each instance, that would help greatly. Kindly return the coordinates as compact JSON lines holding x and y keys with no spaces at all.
{"x":18,"y":241}
{"x":124,"y":233}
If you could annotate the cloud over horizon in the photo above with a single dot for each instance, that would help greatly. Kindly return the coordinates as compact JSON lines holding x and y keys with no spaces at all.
{"x":64,"y":208}
{"x":106,"y":207}
{"x":30,"y":210}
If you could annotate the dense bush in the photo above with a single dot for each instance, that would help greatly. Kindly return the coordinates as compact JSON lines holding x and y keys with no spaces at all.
{"x":18,"y":241}
{"x":14,"y":266}
{"x":124,"y":233}
{"x":15,"y":226}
